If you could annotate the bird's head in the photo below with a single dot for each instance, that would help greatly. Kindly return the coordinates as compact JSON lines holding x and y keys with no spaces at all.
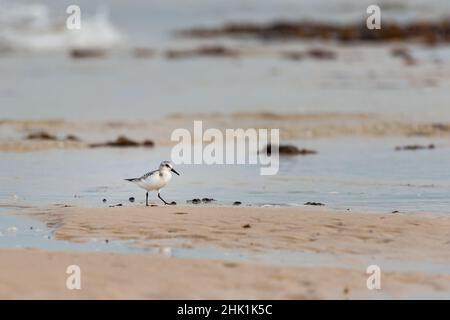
{"x":167,"y":166}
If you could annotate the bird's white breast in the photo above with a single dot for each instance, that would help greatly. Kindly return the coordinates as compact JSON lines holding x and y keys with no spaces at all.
{"x":155,"y":181}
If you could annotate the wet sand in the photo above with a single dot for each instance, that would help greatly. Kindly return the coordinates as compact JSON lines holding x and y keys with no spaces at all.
{"x":113,"y":276}
{"x":292,"y":126}
{"x":395,"y":242}
{"x":295,"y":228}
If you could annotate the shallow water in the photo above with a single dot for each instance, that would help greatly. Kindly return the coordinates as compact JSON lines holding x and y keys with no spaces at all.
{"x":24,"y":232}
{"x":356,"y":174}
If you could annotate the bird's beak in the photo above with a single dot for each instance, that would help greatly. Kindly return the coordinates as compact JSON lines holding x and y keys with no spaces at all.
{"x":174,"y":171}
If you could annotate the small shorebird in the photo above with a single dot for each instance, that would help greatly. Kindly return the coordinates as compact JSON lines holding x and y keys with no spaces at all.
{"x":155,"y":180}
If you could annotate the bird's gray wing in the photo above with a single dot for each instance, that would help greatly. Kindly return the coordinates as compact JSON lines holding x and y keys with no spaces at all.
{"x":148,"y":174}
{"x":145,"y":176}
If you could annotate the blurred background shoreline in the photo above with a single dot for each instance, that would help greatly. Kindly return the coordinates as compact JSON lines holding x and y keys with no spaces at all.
{"x":136,"y":67}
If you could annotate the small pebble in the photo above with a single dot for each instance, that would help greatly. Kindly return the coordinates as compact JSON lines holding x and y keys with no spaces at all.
{"x":167,"y":251}
{"x":395,"y":211}
{"x":72,"y":137}
{"x":237,"y":203}
{"x":104,"y":200}
{"x":131,"y":199}
{"x":246,"y":226}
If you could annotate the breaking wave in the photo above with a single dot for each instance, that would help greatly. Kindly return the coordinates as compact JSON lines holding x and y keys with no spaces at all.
{"x":32,"y":27}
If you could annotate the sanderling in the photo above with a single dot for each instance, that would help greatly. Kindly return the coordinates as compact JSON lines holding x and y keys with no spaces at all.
{"x":155,"y":180}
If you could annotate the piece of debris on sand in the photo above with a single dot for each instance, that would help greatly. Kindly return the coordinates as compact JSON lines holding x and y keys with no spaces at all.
{"x":311,"y":203}
{"x":207,"y":51}
{"x":413,"y":147}
{"x":405,"y":55}
{"x":288,"y":150}
{"x":71,"y":137}
{"x":314,"y":53}
{"x":123,"y":142}
{"x":41,"y":135}
{"x":87,"y":53}
{"x":321,"y":54}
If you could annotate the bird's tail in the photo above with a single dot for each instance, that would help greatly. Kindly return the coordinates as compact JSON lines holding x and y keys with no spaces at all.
{"x":132,"y":179}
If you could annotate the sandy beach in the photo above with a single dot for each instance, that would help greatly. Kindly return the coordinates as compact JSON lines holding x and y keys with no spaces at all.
{"x":343,"y":245}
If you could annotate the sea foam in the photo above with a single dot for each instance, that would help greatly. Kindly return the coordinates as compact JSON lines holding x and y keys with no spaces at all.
{"x":32,"y":27}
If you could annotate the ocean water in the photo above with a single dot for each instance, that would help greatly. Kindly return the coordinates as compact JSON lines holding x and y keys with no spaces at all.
{"x":55,"y":86}
{"x":38,"y":79}
{"x":152,"y":21}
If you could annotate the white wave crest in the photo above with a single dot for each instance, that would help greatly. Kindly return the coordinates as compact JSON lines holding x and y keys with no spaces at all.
{"x":31,"y":27}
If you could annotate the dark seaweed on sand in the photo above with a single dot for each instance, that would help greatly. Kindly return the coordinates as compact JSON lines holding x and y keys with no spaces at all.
{"x":430,"y":32}
{"x":122,"y":142}
{"x":288,"y":150}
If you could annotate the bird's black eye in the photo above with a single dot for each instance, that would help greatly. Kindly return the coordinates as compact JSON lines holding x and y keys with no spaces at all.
{"x":167,"y":165}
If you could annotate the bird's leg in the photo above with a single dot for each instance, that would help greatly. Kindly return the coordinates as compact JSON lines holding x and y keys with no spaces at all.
{"x":146,"y":199}
{"x":159,"y":196}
